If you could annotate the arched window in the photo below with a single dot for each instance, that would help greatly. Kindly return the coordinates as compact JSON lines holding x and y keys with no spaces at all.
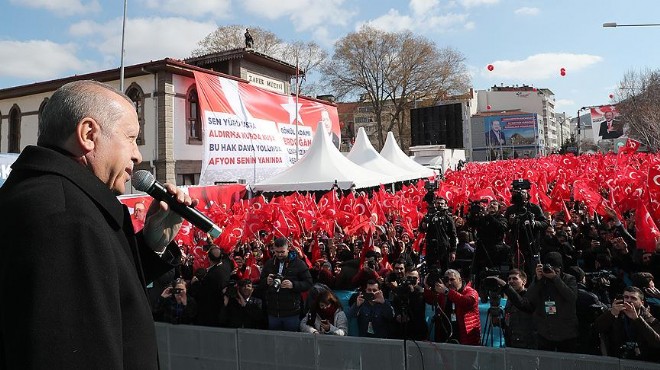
{"x":41,"y":109}
{"x":15,"y":129}
{"x":193,"y":119}
{"x":136,"y":95}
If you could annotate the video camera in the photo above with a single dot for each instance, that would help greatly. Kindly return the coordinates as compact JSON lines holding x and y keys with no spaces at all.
{"x":277,"y":281}
{"x":432,"y":274}
{"x":521,"y":184}
{"x":599,"y":280}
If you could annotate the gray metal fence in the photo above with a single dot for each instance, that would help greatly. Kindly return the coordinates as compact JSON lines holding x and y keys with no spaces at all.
{"x":196,"y":347}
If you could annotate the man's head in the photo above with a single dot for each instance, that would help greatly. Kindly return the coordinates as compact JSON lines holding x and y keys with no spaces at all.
{"x":245,"y":288}
{"x":634,"y":296}
{"x":139,"y":211}
{"x":371,"y":287}
{"x":399,"y":268}
{"x":281,"y":248}
{"x":493,"y":207}
{"x":517,"y":279}
{"x":98,"y":126}
{"x":440,"y":203}
{"x":215,"y":254}
{"x":413,"y":275}
{"x":553,"y":259}
{"x":453,"y":279}
{"x":609,"y":115}
{"x":495,"y":126}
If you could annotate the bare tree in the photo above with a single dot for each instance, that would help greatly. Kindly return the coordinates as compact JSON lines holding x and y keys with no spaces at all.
{"x":639,"y":106}
{"x":392,"y":70}
{"x":309,"y":55}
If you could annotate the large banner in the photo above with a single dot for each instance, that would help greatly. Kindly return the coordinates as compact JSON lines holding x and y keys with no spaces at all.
{"x":606,"y":123}
{"x":250,"y":133}
{"x":511,"y":136}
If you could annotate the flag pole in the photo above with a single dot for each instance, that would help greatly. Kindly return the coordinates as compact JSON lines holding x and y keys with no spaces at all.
{"x":297,"y":96}
{"x":123,"y":33}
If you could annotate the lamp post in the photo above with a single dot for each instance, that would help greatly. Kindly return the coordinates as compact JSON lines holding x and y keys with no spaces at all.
{"x":123,"y":37}
{"x":614,"y":24}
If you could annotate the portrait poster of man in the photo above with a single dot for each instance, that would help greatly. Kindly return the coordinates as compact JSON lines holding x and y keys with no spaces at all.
{"x":606,"y":123}
{"x":495,"y":134}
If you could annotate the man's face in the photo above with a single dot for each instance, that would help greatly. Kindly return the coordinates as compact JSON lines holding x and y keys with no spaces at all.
{"x":633,"y":298}
{"x":372,"y":288}
{"x":400,"y":269}
{"x":496,"y":126}
{"x":138,"y":211}
{"x":609,"y":116}
{"x":115,"y":150}
{"x":246,"y":290}
{"x":281,"y":252}
{"x":413,"y":275}
{"x":493,"y":207}
{"x":516,"y":282}
{"x":454,"y":282}
{"x":440,"y":203}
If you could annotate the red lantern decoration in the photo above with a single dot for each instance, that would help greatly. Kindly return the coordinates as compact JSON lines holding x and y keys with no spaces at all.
{"x":490,"y":67}
{"x":488,"y":107}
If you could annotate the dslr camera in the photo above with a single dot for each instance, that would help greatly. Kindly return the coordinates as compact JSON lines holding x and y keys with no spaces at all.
{"x":177,"y":290}
{"x":232,"y":291}
{"x":368,"y":296}
{"x":277,"y":281}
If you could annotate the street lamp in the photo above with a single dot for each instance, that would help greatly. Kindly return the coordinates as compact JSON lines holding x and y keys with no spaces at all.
{"x":614,"y":24}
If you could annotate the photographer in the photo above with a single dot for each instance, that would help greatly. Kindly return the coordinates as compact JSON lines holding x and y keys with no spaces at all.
{"x":174,"y":306}
{"x":409,"y":308}
{"x":284,"y":277}
{"x":490,"y":227}
{"x":518,"y":325}
{"x":440,"y":234}
{"x":373,"y":312}
{"x":209,"y":291}
{"x":241,"y":309}
{"x":394,"y":278}
{"x":628,"y":328}
{"x":553,"y":295}
{"x":589,"y":307}
{"x":526,"y":222}
{"x":457,"y":309}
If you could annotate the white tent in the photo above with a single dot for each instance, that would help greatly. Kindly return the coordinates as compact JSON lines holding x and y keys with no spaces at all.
{"x":320,"y":168}
{"x":364,"y":154}
{"x":394,"y":154}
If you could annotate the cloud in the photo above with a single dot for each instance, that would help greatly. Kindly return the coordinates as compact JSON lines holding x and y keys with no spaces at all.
{"x":61,"y":7}
{"x":540,"y":66}
{"x":475,"y":3}
{"x":393,"y":21}
{"x":192,"y":8}
{"x":420,"y":7}
{"x":527,"y":11}
{"x":562,"y":103}
{"x":304,"y":14}
{"x":146,"y":38}
{"x":24,"y":60}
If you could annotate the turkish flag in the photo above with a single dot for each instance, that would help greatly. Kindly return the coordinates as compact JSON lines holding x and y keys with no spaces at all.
{"x":646,"y":231}
{"x":654,"y":179}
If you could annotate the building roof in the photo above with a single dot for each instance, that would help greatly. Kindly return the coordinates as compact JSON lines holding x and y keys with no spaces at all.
{"x":508,"y":112}
{"x":247,"y":54}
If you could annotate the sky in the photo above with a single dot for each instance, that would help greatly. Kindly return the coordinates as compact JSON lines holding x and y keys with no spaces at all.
{"x":526,"y":41}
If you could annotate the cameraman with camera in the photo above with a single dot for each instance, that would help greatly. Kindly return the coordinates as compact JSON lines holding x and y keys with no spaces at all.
{"x":284,"y":277}
{"x":518,"y":324}
{"x":241,"y":309}
{"x":174,"y":306}
{"x":554,"y":295}
{"x":490,"y":227}
{"x":373,"y":312}
{"x":628,"y":328}
{"x":409,"y":308}
{"x":440,"y":233}
{"x":526,"y":221}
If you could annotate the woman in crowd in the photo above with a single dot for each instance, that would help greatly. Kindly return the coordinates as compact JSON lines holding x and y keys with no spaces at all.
{"x":325,"y":316}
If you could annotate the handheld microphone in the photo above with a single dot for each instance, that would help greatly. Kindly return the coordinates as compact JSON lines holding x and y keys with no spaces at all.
{"x":145,"y":181}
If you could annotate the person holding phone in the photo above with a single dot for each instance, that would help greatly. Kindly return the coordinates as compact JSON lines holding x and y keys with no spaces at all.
{"x":326,"y":316}
{"x":372,"y":311}
{"x":629,"y":329}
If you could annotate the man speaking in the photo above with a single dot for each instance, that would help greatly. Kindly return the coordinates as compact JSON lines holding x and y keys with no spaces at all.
{"x":72,"y":269}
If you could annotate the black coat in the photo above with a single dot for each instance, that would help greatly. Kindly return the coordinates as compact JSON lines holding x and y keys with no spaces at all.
{"x":75,"y":270}
{"x":286,"y":302}
{"x":209,"y":293}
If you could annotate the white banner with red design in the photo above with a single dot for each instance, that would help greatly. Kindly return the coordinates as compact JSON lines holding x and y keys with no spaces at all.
{"x":250,"y":133}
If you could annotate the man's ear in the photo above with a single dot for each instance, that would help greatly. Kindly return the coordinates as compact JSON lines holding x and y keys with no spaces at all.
{"x":86,"y":134}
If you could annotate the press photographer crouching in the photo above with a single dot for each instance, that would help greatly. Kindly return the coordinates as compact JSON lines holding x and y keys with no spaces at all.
{"x":526,"y":221}
{"x":409,"y":308}
{"x":241,"y":309}
{"x":518,"y":324}
{"x":440,"y":231}
{"x":628,"y":329}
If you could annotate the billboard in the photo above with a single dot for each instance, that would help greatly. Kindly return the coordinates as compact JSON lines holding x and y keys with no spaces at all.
{"x":607,"y":124}
{"x":510,"y":136}
{"x":250,"y":133}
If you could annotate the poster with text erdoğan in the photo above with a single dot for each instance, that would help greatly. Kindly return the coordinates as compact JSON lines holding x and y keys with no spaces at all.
{"x":250,"y":133}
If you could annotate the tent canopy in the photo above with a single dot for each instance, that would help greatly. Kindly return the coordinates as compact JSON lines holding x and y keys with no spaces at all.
{"x":394,"y":154}
{"x":320,"y":168}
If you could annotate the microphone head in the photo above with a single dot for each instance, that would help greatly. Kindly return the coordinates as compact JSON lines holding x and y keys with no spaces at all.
{"x":143,"y":180}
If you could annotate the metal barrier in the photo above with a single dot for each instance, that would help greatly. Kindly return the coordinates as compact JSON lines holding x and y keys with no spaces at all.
{"x":197,"y":347}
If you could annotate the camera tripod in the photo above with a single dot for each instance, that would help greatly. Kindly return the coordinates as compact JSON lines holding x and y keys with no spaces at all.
{"x":494,"y":318}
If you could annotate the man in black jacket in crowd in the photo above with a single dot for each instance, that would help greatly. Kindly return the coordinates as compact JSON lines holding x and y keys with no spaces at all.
{"x":209,"y":293}
{"x":518,"y":324}
{"x":284,"y":277}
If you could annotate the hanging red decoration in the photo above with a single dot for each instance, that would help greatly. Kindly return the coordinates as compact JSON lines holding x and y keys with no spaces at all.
{"x":562,"y":71}
{"x":488,"y":107}
{"x":491,"y":67}
{"x":611,"y":96}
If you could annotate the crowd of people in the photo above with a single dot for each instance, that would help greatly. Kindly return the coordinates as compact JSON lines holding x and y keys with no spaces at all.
{"x":575,"y":280}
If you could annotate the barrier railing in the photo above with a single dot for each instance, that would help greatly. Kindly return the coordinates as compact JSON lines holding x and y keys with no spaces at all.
{"x":197,"y":347}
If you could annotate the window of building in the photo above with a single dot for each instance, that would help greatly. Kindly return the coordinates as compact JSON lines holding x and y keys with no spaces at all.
{"x":193,"y":118}
{"x":136,"y":95}
{"x":15,"y":129}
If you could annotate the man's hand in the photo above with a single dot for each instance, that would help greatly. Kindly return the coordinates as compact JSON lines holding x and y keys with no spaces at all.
{"x":630,"y":311}
{"x":167,"y":292}
{"x":287,"y":284}
{"x":161,"y":225}
{"x":550,"y":275}
{"x":500,"y":282}
{"x":452,"y":256}
{"x":359,"y":300}
{"x":440,"y":287}
{"x":378,"y":297}
{"x":617,"y":307}
{"x":539,"y":271}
